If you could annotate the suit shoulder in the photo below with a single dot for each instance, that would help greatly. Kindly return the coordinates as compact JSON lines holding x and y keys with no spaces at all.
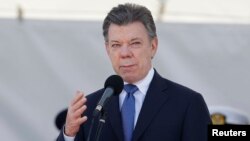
{"x":180,"y":89}
{"x":172,"y":87}
{"x":182,"y":94}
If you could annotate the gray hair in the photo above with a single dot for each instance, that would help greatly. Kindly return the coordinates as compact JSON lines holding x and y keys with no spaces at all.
{"x":127,"y":13}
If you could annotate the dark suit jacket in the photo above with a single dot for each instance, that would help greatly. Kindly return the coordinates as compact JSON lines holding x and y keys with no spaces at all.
{"x":170,"y":112}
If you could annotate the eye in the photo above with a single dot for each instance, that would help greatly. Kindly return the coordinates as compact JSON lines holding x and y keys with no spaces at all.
{"x":115,"y":45}
{"x":135,"y":44}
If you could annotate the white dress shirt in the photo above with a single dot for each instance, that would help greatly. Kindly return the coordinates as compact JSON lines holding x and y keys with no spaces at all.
{"x":139,"y":95}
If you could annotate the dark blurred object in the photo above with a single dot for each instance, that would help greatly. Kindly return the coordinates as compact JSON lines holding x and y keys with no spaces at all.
{"x":60,"y":119}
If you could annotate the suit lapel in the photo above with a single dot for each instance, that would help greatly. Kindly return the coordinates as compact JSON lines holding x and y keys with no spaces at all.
{"x":154,"y":99}
{"x":115,"y":117}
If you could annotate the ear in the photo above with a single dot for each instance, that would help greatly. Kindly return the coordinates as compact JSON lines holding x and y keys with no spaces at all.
{"x":154,"y":46}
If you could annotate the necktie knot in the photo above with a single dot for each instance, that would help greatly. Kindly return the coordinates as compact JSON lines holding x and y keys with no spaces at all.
{"x":130,"y":89}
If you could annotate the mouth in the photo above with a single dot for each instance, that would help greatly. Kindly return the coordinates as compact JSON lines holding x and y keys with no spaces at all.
{"x":127,"y":66}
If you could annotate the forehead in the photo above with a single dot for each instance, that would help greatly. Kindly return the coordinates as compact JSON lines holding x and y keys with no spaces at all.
{"x":128,"y":31}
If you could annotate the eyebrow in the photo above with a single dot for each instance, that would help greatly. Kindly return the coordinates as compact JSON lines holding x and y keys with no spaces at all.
{"x":114,"y":41}
{"x":134,"y":39}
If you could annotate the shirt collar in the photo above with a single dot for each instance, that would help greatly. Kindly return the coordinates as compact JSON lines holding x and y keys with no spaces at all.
{"x":143,"y":84}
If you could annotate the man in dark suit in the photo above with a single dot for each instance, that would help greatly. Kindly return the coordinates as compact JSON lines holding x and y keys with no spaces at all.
{"x":157,"y":109}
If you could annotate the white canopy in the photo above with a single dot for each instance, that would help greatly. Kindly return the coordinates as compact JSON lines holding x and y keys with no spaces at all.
{"x":212,"y":11}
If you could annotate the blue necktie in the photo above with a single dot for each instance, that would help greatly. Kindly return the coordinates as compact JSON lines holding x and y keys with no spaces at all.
{"x":128,"y":111}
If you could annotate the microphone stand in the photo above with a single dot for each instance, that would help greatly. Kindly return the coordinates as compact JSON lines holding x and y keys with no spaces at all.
{"x":91,"y":128}
{"x":102,"y":120}
{"x":101,"y":117}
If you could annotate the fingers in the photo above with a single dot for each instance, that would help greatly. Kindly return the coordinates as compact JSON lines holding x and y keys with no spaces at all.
{"x":79,"y":104}
{"x":74,"y":117}
{"x":82,"y":120}
{"x":78,"y":101}
{"x":81,"y":110}
{"x":77,"y":97}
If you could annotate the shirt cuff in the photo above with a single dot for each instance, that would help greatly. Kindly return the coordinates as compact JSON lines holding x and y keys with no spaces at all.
{"x":67,"y":138}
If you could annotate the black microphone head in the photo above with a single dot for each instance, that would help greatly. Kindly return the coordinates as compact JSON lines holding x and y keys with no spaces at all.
{"x":115,"y":82}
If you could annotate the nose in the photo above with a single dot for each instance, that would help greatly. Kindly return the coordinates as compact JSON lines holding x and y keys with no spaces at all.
{"x":125,"y":52}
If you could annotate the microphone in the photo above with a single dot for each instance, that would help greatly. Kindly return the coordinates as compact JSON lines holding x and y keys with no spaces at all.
{"x":113,"y":86}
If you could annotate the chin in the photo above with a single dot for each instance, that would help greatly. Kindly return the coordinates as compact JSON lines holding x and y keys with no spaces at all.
{"x":129,"y":78}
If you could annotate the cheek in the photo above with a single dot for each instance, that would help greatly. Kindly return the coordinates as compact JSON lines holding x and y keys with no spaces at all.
{"x":145,"y":57}
{"x":114,"y":60}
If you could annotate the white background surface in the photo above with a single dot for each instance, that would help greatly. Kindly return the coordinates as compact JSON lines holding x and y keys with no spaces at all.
{"x":203,"y":44}
{"x":43,"y":63}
